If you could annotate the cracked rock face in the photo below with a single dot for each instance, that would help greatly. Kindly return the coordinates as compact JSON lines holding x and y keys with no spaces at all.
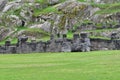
{"x":3,"y":33}
{"x":104,"y":1}
{"x":3,"y":4}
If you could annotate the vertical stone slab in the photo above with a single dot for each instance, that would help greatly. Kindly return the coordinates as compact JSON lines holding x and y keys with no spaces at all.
{"x":66,"y":47}
{"x":76,"y":47}
{"x":85,"y":42}
{"x":7,"y":45}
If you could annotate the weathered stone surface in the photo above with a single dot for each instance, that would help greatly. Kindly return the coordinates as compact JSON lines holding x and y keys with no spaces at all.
{"x":13,"y":49}
{"x":53,"y":1}
{"x":45,"y":26}
{"x":86,"y":45}
{"x":76,"y":36}
{"x":103,"y":1}
{"x":14,"y":21}
{"x":4,"y":33}
{"x":41,"y":47}
{"x":53,"y":47}
{"x":100,"y":44}
{"x":7,"y":43}
{"x":61,"y":45}
{"x":66,"y":47}
{"x":22,"y":40}
{"x":2,"y":49}
{"x":76,"y":45}
{"x":3,"y":4}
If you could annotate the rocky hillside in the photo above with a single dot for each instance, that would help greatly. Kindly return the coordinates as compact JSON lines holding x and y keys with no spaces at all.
{"x":38,"y":19}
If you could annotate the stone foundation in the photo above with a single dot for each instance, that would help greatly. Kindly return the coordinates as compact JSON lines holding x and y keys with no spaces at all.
{"x":79,"y":43}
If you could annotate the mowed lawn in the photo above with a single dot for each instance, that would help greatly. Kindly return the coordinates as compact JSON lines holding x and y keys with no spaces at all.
{"x":97,"y":65}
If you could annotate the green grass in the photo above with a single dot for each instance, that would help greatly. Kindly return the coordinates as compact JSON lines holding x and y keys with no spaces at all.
{"x":40,"y":34}
{"x":40,"y":1}
{"x":98,"y":65}
{"x":100,"y":30}
{"x":100,"y":37}
{"x":108,"y":8}
{"x":45,"y":11}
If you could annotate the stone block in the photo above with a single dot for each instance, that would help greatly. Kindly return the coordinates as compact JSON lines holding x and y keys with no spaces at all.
{"x":12,"y":49}
{"x":66,"y":47}
{"x":76,"y":36}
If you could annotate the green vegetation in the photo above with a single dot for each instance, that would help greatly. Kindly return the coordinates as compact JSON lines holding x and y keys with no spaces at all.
{"x":45,"y":11}
{"x":34,"y":32}
{"x":97,"y":65}
{"x":46,"y":8}
{"x":107,"y":8}
{"x":100,"y":30}
{"x":99,"y":37}
{"x":40,"y":1}
{"x":49,"y":8}
{"x":70,"y":35}
{"x":101,"y":6}
{"x":81,"y":0}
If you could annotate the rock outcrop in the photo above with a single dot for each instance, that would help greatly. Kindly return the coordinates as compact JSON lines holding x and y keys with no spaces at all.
{"x":3,"y":4}
{"x":54,"y":16}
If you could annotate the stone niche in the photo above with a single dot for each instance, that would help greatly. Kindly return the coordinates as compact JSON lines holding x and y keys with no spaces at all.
{"x":64,"y":36}
{"x":84,"y":35}
{"x":114,"y":36}
{"x":81,"y":43}
{"x":7,"y":43}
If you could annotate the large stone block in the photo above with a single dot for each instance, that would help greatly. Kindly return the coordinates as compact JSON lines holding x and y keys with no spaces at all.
{"x":41,"y":46}
{"x":66,"y":47}
{"x":12,"y":49}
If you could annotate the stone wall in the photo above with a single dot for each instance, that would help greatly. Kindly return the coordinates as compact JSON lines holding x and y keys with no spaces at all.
{"x":101,"y":44}
{"x":79,"y":43}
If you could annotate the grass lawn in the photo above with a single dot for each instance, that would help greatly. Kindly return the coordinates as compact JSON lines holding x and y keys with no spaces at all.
{"x":97,"y":65}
